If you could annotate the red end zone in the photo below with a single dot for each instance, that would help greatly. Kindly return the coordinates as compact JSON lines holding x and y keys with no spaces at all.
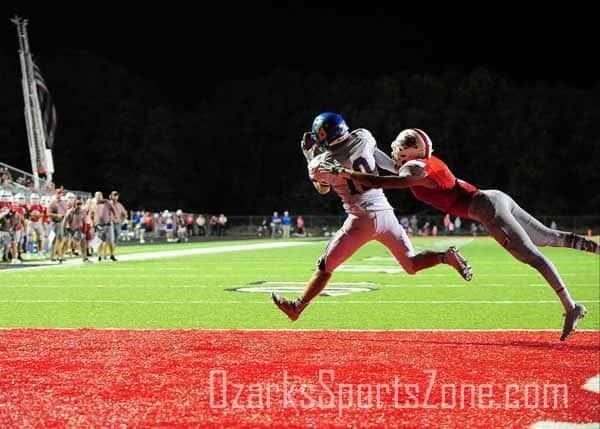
{"x":83,"y":378}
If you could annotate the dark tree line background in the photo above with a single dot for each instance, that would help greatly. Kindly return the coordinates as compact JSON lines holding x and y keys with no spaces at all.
{"x":232,"y":144}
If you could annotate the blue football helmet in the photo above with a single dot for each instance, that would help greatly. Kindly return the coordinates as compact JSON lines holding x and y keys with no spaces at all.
{"x":329,"y":128}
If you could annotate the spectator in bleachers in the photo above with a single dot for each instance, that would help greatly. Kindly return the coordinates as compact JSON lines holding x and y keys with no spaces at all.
{"x":182,"y":235}
{"x":414,"y":225}
{"x":201,"y":224}
{"x":5,"y":178}
{"x":221,"y":224}
{"x":300,"y":227}
{"x":147,"y":227}
{"x":212,"y":223}
{"x":189,"y":224}
{"x":169,"y":223}
{"x":473,"y":229}
{"x":286,"y":224}
{"x":275,"y":225}
{"x":136,"y":218}
{"x":457,"y":225}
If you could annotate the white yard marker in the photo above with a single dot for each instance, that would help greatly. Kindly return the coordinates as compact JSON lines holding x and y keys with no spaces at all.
{"x":370,"y":269}
{"x":564,"y":425}
{"x":593,"y":384}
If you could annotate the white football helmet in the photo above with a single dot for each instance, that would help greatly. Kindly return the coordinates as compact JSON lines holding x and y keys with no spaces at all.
{"x":20,"y":199}
{"x":411,"y":143}
{"x":34,"y":198}
{"x":6,"y":196}
{"x":45,"y":200}
{"x":70,"y":197}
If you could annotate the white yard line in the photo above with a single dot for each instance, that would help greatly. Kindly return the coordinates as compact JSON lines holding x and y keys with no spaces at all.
{"x":167,"y":254}
{"x":564,"y":425}
{"x":350,"y":330}
{"x":266,"y":301}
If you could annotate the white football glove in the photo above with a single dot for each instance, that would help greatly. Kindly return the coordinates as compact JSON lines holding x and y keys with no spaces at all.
{"x":308,"y":147}
{"x":331,"y":167}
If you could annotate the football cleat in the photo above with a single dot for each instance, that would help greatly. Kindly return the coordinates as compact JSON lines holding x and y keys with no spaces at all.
{"x":572,"y":319}
{"x":292,"y":309}
{"x":453,"y":258}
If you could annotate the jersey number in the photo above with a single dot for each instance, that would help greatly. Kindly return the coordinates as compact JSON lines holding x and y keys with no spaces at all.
{"x":360,"y":165}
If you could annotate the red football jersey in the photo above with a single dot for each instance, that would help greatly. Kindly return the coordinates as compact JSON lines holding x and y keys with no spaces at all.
{"x":452,"y":196}
{"x":41,"y":211}
{"x":20,"y":210}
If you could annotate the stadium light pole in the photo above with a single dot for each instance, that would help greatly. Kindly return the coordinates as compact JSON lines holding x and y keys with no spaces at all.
{"x":29,"y":120}
{"x":41,"y":155}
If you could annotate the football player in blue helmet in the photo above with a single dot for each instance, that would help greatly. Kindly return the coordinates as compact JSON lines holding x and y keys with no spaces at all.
{"x":369,"y":214}
{"x":329,"y":129}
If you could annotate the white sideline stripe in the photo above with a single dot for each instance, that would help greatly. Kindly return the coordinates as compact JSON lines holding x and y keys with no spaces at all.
{"x":171,"y":254}
{"x":593,"y":384}
{"x":351,"y":330}
{"x":266,"y":284}
{"x":189,"y":286}
{"x":564,"y":425}
{"x":112,"y":286}
{"x":265,"y":302}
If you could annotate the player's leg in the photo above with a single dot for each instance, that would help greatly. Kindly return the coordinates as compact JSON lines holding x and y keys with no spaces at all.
{"x":62,"y":237}
{"x":392,"y":235}
{"x":541,"y":235}
{"x":82,"y":241}
{"x":356,"y":231}
{"x":83,"y":245}
{"x":17,"y":240}
{"x":112,"y":240}
{"x":14,"y":246}
{"x":40,"y":235}
{"x":494,"y":210}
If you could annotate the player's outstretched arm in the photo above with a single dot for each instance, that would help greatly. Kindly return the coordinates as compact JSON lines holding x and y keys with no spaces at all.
{"x":407,"y":177}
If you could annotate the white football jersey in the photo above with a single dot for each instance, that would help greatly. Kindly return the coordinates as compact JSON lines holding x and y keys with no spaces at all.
{"x":356,"y":153}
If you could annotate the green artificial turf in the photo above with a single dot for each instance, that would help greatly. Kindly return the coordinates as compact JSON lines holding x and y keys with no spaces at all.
{"x":196,"y":291}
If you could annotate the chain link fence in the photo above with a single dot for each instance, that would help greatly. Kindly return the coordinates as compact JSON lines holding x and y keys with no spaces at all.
{"x":426,"y":225}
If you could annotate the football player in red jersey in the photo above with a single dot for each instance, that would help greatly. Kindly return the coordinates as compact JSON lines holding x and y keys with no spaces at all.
{"x":432,"y":182}
{"x":36,"y":213}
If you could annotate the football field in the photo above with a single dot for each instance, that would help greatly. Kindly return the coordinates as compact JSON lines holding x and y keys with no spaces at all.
{"x":187,"y":335}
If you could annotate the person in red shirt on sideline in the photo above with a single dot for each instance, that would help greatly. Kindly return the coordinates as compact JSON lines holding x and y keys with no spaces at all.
{"x":35,"y":228}
{"x":432,"y":182}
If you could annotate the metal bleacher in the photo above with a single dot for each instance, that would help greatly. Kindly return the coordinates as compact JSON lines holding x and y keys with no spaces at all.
{"x":18,"y":181}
